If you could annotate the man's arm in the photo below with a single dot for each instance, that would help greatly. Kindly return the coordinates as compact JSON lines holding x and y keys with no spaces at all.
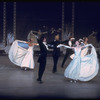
{"x":62,"y":42}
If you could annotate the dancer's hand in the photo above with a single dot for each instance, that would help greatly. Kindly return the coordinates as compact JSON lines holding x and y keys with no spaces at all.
{"x":59,"y":45}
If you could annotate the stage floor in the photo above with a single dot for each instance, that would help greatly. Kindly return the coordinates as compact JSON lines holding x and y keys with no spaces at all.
{"x":16,"y":83}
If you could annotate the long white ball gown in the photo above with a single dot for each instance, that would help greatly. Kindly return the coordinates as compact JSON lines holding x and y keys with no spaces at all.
{"x":21,"y":54}
{"x":82,"y":68}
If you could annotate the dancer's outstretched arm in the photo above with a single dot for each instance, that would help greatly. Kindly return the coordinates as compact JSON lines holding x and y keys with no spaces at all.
{"x":87,"y":45}
{"x":60,"y":45}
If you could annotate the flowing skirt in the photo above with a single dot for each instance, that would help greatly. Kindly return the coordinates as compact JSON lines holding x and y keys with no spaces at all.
{"x":21,"y":54}
{"x":83,"y":68}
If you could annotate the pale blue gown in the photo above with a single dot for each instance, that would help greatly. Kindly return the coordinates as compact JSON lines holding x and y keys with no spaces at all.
{"x":82,"y":68}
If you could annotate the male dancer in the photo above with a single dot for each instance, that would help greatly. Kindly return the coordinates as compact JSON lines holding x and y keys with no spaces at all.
{"x":56,"y":51}
{"x":42,"y":57}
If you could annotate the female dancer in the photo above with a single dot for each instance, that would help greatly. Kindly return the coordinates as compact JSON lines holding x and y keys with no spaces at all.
{"x":21,"y":53}
{"x":82,"y":68}
{"x":85,"y":50}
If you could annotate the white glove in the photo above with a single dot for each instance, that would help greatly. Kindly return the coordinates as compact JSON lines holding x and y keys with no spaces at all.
{"x":59,"y":45}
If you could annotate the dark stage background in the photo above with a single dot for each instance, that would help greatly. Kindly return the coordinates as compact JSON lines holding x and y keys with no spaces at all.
{"x":47,"y":15}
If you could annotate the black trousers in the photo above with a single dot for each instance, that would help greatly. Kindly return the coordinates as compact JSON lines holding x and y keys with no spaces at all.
{"x":55,"y":61}
{"x":41,"y":69}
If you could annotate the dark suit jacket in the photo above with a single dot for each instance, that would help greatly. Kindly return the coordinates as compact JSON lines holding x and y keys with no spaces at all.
{"x":55,"y":43}
{"x":43,"y":52}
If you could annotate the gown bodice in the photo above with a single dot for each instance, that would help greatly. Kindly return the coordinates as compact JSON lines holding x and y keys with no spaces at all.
{"x":77,"y":51}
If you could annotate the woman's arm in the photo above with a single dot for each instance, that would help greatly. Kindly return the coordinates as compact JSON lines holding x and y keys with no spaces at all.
{"x":35,"y":44}
{"x":60,"y":45}
{"x":30,"y":44}
{"x":26,"y":42}
{"x":87,"y":45}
